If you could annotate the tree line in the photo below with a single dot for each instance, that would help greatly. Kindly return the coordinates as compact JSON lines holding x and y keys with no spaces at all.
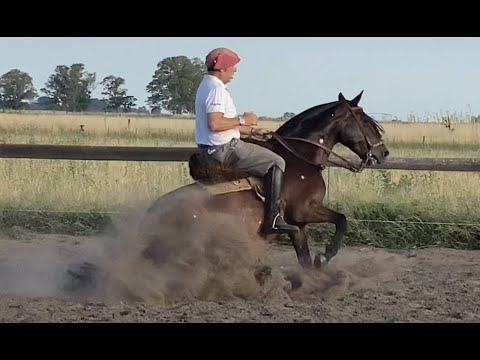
{"x":69,"y":88}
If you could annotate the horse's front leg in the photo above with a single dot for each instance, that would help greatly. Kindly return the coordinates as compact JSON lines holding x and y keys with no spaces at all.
{"x":331,"y":249}
{"x":317,"y":213}
{"x":300,"y":244}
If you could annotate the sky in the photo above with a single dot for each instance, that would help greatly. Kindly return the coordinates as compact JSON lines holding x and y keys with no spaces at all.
{"x":399,"y":75}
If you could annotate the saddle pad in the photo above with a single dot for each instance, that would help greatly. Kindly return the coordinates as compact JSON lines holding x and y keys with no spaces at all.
{"x":234,"y":186}
{"x":226,"y":187}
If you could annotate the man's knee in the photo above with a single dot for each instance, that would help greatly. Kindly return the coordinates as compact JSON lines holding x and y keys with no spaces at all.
{"x":280,"y":162}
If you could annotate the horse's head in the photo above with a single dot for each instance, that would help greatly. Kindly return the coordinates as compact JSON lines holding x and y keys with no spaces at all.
{"x":341,"y":121}
{"x":358,"y":131}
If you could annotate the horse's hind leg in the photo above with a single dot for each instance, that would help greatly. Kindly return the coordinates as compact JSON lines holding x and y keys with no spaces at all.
{"x":328,"y":215}
{"x":300,"y":244}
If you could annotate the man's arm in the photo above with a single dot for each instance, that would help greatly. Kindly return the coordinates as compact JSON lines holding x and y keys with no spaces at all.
{"x":218,"y":122}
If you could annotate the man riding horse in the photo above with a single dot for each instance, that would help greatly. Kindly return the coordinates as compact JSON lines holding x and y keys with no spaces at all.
{"x":218,"y":130}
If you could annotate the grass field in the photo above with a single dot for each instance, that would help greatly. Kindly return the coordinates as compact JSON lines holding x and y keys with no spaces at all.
{"x":77,"y":197}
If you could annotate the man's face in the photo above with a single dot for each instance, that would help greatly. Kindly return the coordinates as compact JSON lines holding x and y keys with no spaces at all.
{"x":226,"y":75}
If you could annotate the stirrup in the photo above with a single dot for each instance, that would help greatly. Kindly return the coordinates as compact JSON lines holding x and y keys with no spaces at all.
{"x":274,"y":229}
{"x":286,"y":225}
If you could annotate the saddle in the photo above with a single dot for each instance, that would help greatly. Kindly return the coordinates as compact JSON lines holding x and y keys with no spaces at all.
{"x":218,"y":178}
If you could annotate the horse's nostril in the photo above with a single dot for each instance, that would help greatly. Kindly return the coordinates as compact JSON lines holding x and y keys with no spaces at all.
{"x":386,"y":153}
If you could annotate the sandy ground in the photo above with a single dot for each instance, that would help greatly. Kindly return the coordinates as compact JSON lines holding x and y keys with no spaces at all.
{"x":359,"y":285}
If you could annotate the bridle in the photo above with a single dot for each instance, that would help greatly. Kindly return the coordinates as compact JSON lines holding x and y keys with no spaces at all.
{"x":348,"y":164}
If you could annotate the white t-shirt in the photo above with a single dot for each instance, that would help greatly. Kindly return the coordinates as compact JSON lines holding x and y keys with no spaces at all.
{"x":213,"y":96}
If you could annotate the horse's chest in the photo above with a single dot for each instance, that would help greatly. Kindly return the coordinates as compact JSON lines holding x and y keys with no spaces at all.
{"x":305,"y":191}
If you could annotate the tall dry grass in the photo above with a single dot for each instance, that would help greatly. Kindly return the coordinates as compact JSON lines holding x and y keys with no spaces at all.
{"x":54,"y":122}
{"x":100,"y":186}
{"x":432,"y":133}
{"x":106,"y":185}
{"x":457,"y":131}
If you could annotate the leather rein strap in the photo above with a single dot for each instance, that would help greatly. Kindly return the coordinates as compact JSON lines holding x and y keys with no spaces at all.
{"x":349,"y":165}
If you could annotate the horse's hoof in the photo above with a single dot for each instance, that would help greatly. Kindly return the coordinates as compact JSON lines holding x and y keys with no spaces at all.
{"x":320,"y":261}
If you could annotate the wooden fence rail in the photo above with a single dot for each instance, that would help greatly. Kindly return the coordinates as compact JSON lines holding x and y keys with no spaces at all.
{"x":130,"y":153}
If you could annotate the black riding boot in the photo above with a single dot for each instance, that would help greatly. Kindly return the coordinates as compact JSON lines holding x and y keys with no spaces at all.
{"x":273,"y":222}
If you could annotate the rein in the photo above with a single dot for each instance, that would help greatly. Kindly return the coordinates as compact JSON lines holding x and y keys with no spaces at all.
{"x":349,"y":165}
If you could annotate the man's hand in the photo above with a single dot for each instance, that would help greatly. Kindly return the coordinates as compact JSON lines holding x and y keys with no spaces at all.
{"x":250,"y":118}
{"x":262,"y":133}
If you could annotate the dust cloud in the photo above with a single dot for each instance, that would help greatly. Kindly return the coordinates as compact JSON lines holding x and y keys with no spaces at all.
{"x":178,"y":252}
{"x":30,"y":274}
{"x":175,"y":253}
{"x":346,"y":272}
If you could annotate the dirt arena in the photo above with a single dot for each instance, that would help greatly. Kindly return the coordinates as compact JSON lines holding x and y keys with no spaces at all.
{"x":359,"y":285}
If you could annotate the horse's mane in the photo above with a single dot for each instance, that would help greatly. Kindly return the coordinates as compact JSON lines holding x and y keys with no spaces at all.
{"x":302,"y":124}
{"x":305,"y":121}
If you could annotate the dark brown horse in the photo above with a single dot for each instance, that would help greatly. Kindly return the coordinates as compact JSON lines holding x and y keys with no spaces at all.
{"x":305,"y":142}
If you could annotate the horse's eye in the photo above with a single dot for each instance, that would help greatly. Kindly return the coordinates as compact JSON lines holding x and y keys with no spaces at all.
{"x":333,"y":114}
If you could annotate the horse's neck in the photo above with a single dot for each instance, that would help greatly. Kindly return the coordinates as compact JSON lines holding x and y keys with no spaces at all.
{"x":327,"y":136}
{"x":318,"y":154}
{"x":314,"y":147}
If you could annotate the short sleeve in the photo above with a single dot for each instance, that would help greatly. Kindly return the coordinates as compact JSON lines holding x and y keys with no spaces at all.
{"x":216,"y":101}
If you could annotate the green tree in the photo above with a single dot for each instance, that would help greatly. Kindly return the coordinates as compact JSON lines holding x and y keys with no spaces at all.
{"x":117,"y":97}
{"x":175,"y":83}
{"x":70,"y":87}
{"x":16,"y":86}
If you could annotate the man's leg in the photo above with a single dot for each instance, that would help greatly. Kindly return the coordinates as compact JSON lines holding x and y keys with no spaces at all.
{"x":273,"y":222}
{"x":262,"y":162}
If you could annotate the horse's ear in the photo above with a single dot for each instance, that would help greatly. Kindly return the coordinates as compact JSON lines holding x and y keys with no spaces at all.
{"x":341,"y":97}
{"x":355,"y":101}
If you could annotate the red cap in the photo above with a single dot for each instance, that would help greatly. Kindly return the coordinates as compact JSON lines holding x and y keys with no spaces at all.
{"x":221,"y":58}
